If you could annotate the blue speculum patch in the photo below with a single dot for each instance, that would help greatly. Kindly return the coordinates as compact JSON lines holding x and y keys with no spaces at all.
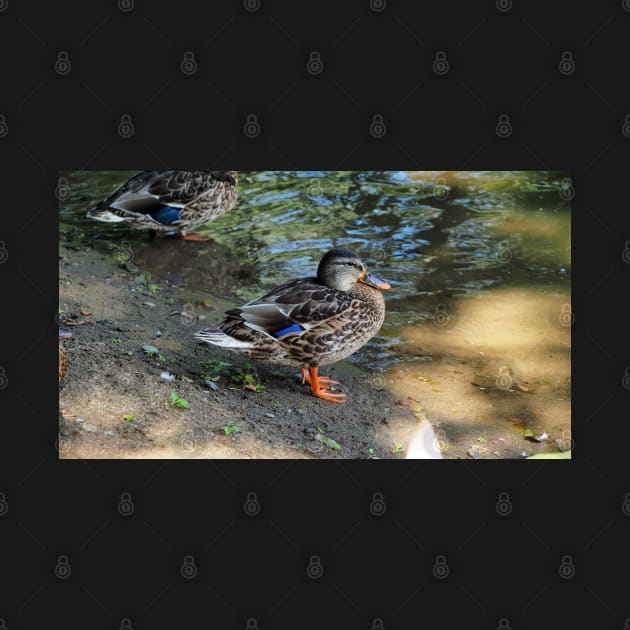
{"x":294,"y":328}
{"x":166,"y":215}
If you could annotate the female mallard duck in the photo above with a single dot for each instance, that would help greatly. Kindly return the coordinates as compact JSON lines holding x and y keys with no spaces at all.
{"x":63,"y":357}
{"x":308,"y":322}
{"x":170,"y":201}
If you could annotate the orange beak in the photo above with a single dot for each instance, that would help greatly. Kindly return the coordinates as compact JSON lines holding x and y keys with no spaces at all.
{"x":373,"y":281}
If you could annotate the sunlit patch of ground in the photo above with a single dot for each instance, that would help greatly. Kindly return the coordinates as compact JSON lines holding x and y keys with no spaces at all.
{"x":503,"y":356}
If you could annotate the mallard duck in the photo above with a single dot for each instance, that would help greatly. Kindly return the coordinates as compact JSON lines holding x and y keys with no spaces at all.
{"x":63,"y":357}
{"x":170,"y":201}
{"x":308,"y":322}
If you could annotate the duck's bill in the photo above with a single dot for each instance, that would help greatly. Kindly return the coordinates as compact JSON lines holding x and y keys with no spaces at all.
{"x":64,"y":334}
{"x":375,"y":282}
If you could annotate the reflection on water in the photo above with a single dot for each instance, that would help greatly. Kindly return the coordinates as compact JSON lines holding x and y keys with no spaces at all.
{"x":437,"y":237}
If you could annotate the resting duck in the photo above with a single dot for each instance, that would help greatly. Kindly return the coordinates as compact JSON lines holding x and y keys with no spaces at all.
{"x":170,"y":201}
{"x":63,"y":357}
{"x":308,"y":322}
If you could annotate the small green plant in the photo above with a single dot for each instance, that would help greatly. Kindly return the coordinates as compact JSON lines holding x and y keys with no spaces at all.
{"x":371,"y":453}
{"x":242,"y":376}
{"x":481,"y":440}
{"x":216,"y":366}
{"x":231,"y":427}
{"x":397,"y":449}
{"x":180,"y":403}
{"x":128,"y":417}
{"x":153,"y":288}
{"x":116,"y":340}
{"x":328,"y":441}
{"x":211,"y":370}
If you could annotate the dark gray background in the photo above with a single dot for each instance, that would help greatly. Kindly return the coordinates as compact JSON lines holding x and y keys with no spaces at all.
{"x":70,"y":71}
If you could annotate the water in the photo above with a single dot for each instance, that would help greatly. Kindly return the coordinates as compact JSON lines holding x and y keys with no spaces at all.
{"x":438,"y":237}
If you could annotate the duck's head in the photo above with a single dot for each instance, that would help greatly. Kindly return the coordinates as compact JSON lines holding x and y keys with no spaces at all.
{"x":340,"y":269}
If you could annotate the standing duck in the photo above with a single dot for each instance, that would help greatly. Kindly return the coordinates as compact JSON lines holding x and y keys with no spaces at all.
{"x":170,"y":201}
{"x":63,"y":356}
{"x":308,"y":322}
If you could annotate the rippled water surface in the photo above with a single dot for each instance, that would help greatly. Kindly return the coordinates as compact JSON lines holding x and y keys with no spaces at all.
{"x":437,"y":237}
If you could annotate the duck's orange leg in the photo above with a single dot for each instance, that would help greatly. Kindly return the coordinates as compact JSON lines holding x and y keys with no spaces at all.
{"x":319,"y":385}
{"x":193,"y":237}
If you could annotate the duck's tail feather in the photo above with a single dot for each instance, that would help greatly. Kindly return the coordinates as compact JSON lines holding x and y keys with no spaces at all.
{"x":218,"y":338}
{"x":104,"y":215}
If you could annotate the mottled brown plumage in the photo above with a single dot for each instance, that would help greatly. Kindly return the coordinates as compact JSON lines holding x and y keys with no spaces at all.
{"x":169,"y":201}
{"x":308,"y":322}
{"x":63,"y":355}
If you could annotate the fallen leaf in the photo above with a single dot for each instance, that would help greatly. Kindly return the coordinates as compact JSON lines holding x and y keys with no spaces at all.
{"x":521,"y":388}
{"x":517,"y":420}
{"x":250,"y":387}
{"x":84,"y":312}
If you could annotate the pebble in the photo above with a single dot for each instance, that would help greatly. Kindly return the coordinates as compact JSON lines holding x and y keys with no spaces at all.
{"x":476,"y":451}
{"x":212,"y":385}
{"x":167,"y":376}
{"x":109,"y":433}
{"x":150,"y":349}
{"x":270,"y":415}
{"x":86,"y":426}
{"x":187,"y":380}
